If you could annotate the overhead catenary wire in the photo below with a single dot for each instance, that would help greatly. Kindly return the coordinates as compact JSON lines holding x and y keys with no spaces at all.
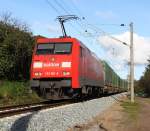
{"x":97,"y":28}
{"x":62,"y":6}
{"x":67,"y":6}
{"x":76,"y":8}
{"x":59,"y":12}
{"x":52,"y":6}
{"x":100,"y":31}
{"x":66,"y":11}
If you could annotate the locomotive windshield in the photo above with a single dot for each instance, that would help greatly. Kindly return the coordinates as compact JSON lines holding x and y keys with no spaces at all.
{"x":53,"y":48}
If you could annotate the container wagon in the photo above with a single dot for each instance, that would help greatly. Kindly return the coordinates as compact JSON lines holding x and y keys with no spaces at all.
{"x":112,"y":82}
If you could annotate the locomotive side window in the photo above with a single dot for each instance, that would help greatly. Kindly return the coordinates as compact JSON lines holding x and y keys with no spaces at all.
{"x":81,"y":51}
{"x":53,"y":48}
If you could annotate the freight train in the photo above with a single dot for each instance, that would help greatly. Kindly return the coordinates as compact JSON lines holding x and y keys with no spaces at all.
{"x":65,"y":68}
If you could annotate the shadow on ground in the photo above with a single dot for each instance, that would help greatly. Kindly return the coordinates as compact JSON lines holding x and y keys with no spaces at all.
{"x":21,"y":124}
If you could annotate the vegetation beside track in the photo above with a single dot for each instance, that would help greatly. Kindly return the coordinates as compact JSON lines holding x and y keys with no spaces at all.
{"x":132,"y":109}
{"x":142,"y":86}
{"x":15,"y":93}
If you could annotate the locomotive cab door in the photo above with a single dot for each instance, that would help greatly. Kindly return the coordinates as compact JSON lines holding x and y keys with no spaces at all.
{"x":82,"y":66}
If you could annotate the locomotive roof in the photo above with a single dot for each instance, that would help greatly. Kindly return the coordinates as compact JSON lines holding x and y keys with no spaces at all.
{"x":64,"y":39}
{"x":61,"y":39}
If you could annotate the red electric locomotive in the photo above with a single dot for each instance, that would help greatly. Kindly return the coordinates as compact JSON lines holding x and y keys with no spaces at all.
{"x":65,"y":67}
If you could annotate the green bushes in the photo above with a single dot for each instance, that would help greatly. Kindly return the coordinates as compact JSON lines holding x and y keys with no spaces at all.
{"x":16,"y":44}
{"x":12,"y":93}
{"x":143,"y":85}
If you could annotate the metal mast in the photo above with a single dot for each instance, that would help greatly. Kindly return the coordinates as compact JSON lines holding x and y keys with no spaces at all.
{"x":132,"y":63}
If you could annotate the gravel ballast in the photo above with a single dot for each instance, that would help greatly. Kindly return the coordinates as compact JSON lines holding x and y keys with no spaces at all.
{"x":59,"y":118}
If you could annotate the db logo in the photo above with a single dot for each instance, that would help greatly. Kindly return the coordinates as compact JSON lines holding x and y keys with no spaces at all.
{"x":52,"y":59}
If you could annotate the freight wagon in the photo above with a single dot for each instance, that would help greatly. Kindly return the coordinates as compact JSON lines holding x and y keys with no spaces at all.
{"x":112,"y":82}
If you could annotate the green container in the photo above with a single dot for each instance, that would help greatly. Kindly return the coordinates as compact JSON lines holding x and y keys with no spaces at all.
{"x":112,"y":79}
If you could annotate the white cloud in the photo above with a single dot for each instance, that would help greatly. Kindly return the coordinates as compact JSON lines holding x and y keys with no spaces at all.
{"x":118,"y":51}
{"x":117,"y":54}
{"x":106,"y":14}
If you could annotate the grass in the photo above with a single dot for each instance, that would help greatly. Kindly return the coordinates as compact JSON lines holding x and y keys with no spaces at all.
{"x":15,"y":93}
{"x":131,"y":108}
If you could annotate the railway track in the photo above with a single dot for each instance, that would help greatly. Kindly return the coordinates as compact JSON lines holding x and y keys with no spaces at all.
{"x":20,"y":109}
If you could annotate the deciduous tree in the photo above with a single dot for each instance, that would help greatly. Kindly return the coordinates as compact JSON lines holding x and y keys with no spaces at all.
{"x":16,"y":44}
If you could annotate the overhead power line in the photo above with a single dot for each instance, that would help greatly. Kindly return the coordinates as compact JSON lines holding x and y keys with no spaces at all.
{"x":52,"y":6}
{"x":92,"y":26}
{"x":76,"y":8}
{"x":66,"y":11}
{"x":107,"y":34}
{"x":61,"y":6}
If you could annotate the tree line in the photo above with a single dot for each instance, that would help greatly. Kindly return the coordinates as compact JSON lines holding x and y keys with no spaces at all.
{"x":144,"y":82}
{"x":16,"y":44}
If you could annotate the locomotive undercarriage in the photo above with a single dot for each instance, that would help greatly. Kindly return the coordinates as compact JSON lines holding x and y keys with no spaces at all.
{"x":61,"y":89}
{"x":54,"y":88}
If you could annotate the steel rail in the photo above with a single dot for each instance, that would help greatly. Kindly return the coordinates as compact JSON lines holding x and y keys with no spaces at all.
{"x":20,"y":109}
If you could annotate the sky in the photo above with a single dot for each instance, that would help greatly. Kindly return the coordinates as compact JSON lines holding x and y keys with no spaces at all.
{"x":100,"y":15}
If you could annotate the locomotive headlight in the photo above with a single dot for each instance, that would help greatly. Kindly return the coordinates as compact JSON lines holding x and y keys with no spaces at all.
{"x":66,"y":73}
{"x":66,"y":64}
{"x":37,"y":65}
{"x":37,"y":73}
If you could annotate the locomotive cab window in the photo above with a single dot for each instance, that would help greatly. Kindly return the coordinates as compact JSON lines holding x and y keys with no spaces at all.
{"x":53,"y":48}
{"x":64,"y":48}
{"x":45,"y":49}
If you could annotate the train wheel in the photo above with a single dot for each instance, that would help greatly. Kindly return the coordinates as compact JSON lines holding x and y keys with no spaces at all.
{"x":89,"y":90}
{"x":100,"y":92}
{"x":94,"y":91}
{"x":43,"y":92}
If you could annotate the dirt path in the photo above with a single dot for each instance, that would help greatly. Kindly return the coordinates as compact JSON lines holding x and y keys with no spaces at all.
{"x":143,"y":123}
{"x":118,"y":118}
